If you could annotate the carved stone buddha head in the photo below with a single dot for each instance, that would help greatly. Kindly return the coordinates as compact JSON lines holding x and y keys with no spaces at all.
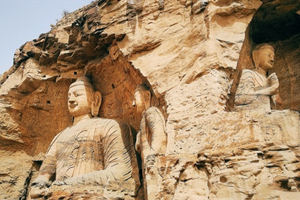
{"x":83,"y":99}
{"x":142,"y":98}
{"x":263,"y":56}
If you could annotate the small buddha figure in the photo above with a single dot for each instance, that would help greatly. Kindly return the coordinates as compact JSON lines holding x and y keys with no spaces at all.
{"x":93,"y":151}
{"x":255,"y":89}
{"x":152,"y":138}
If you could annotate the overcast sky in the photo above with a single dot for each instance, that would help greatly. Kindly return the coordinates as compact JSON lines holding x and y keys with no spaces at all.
{"x":25,"y":20}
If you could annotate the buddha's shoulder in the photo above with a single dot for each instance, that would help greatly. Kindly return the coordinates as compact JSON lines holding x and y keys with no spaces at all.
{"x":153,"y":109}
{"x":103,"y":122}
{"x":248,"y":72}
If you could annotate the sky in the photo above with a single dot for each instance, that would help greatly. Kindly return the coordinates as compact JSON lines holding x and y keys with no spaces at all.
{"x":25,"y":20}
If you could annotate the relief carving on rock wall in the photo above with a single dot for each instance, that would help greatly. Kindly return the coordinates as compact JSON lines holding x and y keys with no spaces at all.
{"x":256,"y":93}
{"x":196,"y":149}
{"x":93,"y":151}
{"x":151,"y":139}
{"x":266,"y":94}
{"x":255,"y":89}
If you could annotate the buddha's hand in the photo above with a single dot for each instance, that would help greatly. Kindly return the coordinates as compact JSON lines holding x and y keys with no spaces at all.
{"x":273,"y":80}
{"x":59,"y":183}
{"x":39,"y":188}
{"x":40,"y":182}
{"x":36,"y":192}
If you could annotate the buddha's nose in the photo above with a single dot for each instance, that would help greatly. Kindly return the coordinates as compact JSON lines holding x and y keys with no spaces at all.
{"x":71,"y":101}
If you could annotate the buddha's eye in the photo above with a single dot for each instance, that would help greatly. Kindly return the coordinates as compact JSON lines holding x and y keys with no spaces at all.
{"x":77,"y":94}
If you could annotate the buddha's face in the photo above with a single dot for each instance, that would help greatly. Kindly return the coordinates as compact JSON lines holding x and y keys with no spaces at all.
{"x":265,"y":58}
{"x":141,"y":100}
{"x":79,"y":100}
{"x":138,"y":101}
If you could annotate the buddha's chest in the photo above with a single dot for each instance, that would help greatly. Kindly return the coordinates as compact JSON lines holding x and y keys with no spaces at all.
{"x":260,"y":81}
{"x":79,"y":152}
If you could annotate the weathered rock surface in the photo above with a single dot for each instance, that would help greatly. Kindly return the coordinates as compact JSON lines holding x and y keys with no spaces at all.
{"x":241,"y":155}
{"x":190,"y":54}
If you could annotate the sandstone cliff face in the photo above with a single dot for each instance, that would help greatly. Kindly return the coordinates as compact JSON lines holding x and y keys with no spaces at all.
{"x":190,"y":53}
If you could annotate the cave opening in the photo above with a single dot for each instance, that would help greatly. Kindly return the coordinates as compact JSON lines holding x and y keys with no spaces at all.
{"x":276,"y":23}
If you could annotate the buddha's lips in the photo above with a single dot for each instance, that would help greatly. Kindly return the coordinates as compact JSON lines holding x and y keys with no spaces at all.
{"x":72,"y":105}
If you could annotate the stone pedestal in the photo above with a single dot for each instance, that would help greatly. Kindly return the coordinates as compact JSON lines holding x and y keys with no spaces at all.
{"x":86,"y":192}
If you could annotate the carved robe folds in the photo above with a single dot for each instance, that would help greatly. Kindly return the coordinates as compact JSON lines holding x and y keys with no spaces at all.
{"x":152,"y":138}
{"x":151,"y":141}
{"x":93,"y":152}
{"x":250,"y":82}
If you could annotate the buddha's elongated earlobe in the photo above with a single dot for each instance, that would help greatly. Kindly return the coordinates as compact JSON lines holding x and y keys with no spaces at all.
{"x":97,"y":99}
{"x":255,"y":56}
